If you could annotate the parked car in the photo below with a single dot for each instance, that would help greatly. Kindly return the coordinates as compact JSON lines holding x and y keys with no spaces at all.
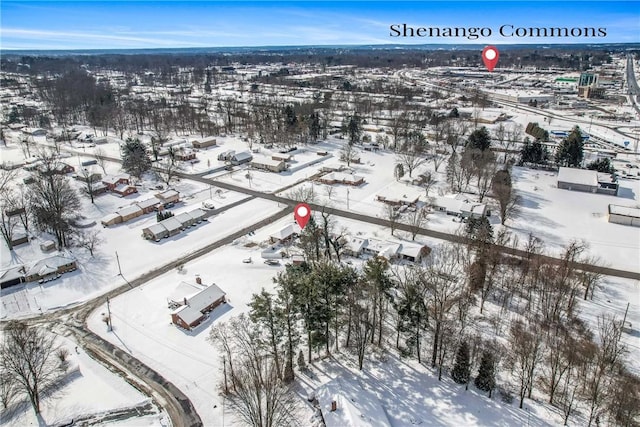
{"x":272,"y":262}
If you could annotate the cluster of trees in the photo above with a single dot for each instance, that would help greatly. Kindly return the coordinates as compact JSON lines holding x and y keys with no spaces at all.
{"x":49,"y":203}
{"x":432,"y":311}
{"x":570,"y":151}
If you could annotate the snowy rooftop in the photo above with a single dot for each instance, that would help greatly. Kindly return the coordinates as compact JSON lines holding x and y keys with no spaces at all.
{"x":631,"y":211}
{"x":578,"y":176}
{"x":356,"y":407}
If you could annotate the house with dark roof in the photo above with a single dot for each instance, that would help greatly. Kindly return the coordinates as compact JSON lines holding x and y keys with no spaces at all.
{"x":194,"y":303}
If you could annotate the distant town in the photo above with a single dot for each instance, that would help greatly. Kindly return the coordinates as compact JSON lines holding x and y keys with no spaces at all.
{"x":471,"y":256}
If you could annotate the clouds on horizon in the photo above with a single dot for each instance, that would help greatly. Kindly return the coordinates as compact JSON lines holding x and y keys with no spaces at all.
{"x":103,"y":25}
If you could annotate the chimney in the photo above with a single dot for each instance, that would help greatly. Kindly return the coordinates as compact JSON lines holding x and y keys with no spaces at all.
{"x":185,"y":301}
{"x":198,"y":280}
{"x":334,"y":405}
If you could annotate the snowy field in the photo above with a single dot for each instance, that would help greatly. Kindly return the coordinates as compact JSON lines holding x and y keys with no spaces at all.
{"x":90,"y":390}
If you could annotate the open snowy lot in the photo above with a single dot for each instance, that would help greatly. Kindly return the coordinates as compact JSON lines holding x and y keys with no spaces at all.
{"x":90,"y":391}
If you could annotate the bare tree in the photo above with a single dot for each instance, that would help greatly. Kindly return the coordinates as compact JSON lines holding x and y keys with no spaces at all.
{"x":526,"y":345}
{"x":503,"y":191}
{"x":392,"y":216}
{"x":259,"y":397}
{"x":417,"y":220}
{"x":303,"y":194}
{"x":101,"y":158}
{"x":27,"y":355}
{"x":169,"y":167}
{"x":53,"y":204}
{"x":89,"y":240}
{"x":90,"y":179}
{"x":8,"y":388}
{"x":348,"y":153}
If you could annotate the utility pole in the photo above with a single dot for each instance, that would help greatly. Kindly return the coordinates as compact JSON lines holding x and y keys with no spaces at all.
{"x":109,"y":315}
{"x":347,"y":198}
{"x":118,"y":260}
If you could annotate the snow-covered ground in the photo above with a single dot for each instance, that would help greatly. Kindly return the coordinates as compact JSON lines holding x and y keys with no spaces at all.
{"x":90,"y":389}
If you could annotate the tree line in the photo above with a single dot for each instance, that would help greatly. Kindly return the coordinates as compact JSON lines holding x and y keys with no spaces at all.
{"x":468,"y":311}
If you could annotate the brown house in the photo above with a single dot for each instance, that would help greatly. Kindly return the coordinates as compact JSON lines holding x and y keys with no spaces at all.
{"x":204,"y":143}
{"x":193,"y":309}
{"x":51,"y":266}
{"x":124,"y":190}
{"x":112,"y":181}
{"x":168,"y":196}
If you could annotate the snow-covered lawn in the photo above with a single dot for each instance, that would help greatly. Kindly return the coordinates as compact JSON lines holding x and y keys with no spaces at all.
{"x":99,"y":274}
{"x":89,"y":389}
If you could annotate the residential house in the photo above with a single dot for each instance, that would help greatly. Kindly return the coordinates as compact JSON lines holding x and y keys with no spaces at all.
{"x":112,"y":181}
{"x":59,"y":168}
{"x":341,"y":178}
{"x":34,"y":131}
{"x":172,"y":225}
{"x":168,"y":196}
{"x":155,"y":232}
{"x":124,"y":190}
{"x":51,"y":266}
{"x":194,"y":307}
{"x":226,"y":155}
{"x":240,"y":158}
{"x":204,"y":143}
{"x":269,"y":164}
{"x":12,"y":276}
{"x":459,"y":205}
{"x":409,"y":198}
{"x":382,"y":248}
{"x":355,"y":246}
{"x":111,"y":219}
{"x":285,"y":234}
{"x":148,"y":205}
{"x":129,"y":213}
{"x":412,"y":252}
{"x":344,"y":402}
{"x":184,"y":154}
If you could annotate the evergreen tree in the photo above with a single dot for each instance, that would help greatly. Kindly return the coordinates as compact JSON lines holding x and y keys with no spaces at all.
{"x":534,"y":152}
{"x":354,"y":129}
{"x":462,"y":367}
{"x":479,"y":139}
{"x":601,"y":165}
{"x":486,"y":379}
{"x":571,"y":149}
{"x":135,"y":158}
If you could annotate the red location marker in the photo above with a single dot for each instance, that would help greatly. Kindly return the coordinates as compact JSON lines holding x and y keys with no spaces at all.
{"x":302,"y":213}
{"x":490,"y":57}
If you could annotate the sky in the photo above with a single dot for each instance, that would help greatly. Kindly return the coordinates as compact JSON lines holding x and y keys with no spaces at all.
{"x":170,"y":24}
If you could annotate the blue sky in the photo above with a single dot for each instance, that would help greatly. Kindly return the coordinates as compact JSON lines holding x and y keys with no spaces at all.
{"x":165,"y":24}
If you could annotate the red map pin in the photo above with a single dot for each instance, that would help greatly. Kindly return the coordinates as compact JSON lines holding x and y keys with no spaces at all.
{"x":490,"y":57}
{"x":302,"y":213}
